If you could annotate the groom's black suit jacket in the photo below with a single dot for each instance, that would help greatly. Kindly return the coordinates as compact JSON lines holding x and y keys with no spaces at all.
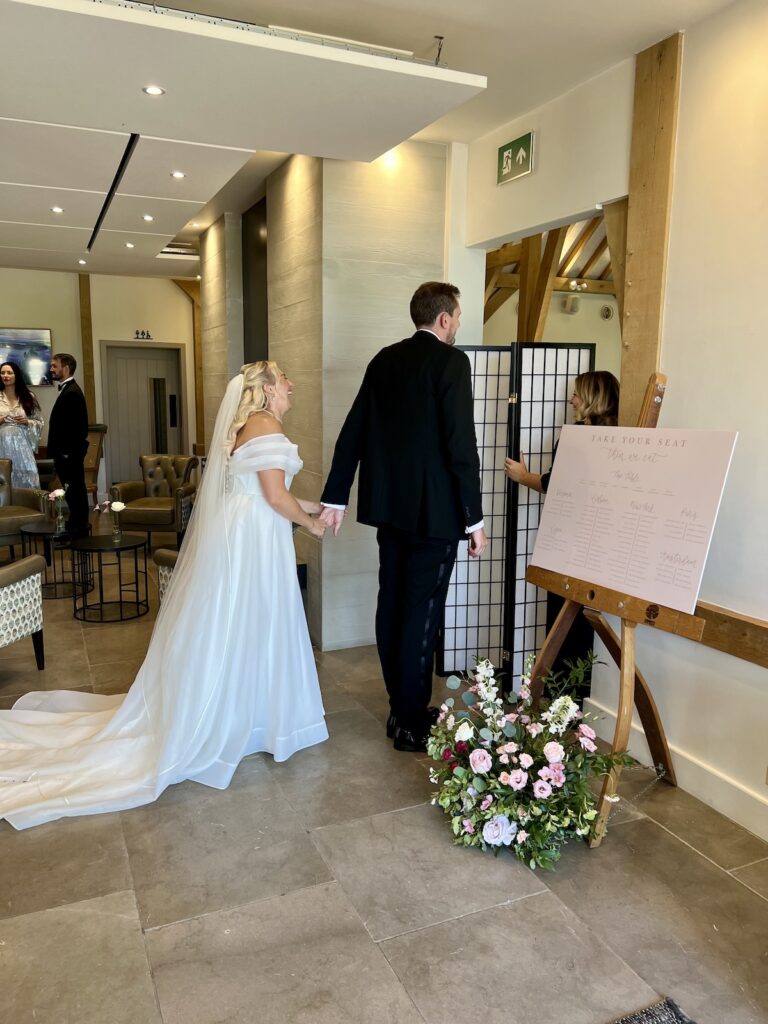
{"x":68,"y":426}
{"x":412,"y":432}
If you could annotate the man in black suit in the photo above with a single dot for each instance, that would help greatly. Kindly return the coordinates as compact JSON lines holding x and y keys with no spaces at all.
{"x":68,"y":439}
{"x":411,"y":431}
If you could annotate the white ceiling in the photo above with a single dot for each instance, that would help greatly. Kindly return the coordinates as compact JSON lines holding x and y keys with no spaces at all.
{"x":71,"y":78}
{"x":71,"y":73}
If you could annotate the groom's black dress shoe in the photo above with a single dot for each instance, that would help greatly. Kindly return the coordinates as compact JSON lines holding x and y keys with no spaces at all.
{"x":431,"y":715}
{"x":409,"y":741}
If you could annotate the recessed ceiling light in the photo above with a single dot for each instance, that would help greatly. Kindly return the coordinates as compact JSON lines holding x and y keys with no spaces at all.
{"x":178,"y":174}
{"x":57,"y":209}
{"x":194,"y":224}
{"x":81,"y":262}
{"x":148,"y":217}
{"x":129,"y":245}
{"x":153,"y":90}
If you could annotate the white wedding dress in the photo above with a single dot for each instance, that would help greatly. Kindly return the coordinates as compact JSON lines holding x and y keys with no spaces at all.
{"x":229,"y":670}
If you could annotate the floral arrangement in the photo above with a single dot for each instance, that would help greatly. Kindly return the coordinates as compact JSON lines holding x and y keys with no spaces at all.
{"x":57,"y":499}
{"x":511,"y":775}
{"x":115,"y":507}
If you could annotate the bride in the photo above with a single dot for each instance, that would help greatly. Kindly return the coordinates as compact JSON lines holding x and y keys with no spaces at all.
{"x":229,"y":670}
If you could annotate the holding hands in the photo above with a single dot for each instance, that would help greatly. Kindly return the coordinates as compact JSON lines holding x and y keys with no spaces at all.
{"x":333,"y":518}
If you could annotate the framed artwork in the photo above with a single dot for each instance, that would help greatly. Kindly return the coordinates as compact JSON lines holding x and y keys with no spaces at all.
{"x":31,"y":349}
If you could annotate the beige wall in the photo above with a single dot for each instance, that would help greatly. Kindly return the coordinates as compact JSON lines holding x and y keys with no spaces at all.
{"x":585,"y":326}
{"x":581,"y":159}
{"x":294,"y":293}
{"x":41,"y":298}
{"x":383,"y":234}
{"x":119,"y":306}
{"x":714,"y":349}
{"x":221,"y":301}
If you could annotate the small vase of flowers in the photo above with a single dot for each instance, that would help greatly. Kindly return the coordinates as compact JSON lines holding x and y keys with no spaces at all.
{"x":514,"y":776}
{"x":114,"y":508}
{"x":57,"y":504}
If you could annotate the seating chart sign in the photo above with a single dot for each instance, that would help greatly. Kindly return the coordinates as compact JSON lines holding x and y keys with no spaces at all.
{"x":633,"y":509}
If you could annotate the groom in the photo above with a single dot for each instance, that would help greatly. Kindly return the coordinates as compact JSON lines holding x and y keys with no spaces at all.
{"x":411,"y":431}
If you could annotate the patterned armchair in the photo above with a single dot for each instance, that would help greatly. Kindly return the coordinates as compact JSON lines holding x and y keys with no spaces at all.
{"x":163,"y":499}
{"x":165,"y":560}
{"x":18,"y":505}
{"x":21,"y":604}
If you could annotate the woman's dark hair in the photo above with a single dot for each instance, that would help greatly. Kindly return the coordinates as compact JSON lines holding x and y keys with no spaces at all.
{"x":26,"y":398}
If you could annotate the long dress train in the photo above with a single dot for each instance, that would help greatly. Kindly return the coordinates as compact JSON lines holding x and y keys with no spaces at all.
{"x":229,"y":670}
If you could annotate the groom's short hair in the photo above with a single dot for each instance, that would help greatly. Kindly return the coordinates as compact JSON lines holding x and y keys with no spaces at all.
{"x":65,"y":359}
{"x":431,"y":299}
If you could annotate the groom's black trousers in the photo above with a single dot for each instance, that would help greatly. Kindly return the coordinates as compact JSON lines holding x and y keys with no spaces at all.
{"x":414,"y":573}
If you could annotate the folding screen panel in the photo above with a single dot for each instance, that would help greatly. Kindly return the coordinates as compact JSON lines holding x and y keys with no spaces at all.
{"x":521,"y":400}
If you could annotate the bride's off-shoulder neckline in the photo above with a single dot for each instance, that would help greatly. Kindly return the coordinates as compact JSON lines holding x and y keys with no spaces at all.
{"x":261,"y":437}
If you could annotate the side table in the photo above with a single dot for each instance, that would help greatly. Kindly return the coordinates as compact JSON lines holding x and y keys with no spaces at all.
{"x":54,"y":545}
{"x":118,"y":566}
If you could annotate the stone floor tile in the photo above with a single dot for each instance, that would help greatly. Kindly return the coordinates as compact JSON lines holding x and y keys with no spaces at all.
{"x":80,"y":964}
{"x":114,"y":676}
{"x":336,"y":699}
{"x":687,"y":927}
{"x":64,"y":673}
{"x":116,"y":641}
{"x":8,"y":700}
{"x":197,"y":850}
{"x":302,"y":958}
{"x":529,"y":962}
{"x":66,"y":861}
{"x":350,"y":664}
{"x":755,"y":876}
{"x":354,"y":774}
{"x":401,"y":871}
{"x":705,"y":829}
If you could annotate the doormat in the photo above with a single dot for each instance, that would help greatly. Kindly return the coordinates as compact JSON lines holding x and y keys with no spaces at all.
{"x":665,"y":1012}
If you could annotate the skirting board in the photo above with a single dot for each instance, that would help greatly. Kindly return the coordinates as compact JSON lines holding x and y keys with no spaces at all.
{"x":344,"y":645}
{"x":731,"y":798}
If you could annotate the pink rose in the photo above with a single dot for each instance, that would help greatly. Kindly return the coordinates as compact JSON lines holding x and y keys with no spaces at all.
{"x":553,"y":752}
{"x":521,"y":836}
{"x":542,"y":789}
{"x":535,"y":728}
{"x":525,"y":719}
{"x":480,"y":761}
{"x":469,"y":828}
{"x":557,"y":776}
{"x":526,"y":760}
{"x":510,"y":718}
{"x":504,"y":758}
{"x":486,"y":803}
{"x":505,"y":779}
{"x":518,"y":779}
{"x":585,"y":730}
{"x":587,"y":744}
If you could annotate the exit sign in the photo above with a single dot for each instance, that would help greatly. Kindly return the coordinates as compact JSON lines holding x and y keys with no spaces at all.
{"x":515,"y":159}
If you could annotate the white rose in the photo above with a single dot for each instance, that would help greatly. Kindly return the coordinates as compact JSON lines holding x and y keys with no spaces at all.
{"x":58,"y":493}
{"x":117,"y":506}
{"x":464,"y":731}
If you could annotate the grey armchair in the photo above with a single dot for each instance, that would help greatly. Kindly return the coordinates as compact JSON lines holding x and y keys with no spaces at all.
{"x":162,"y":500}
{"x":18,"y":505}
{"x":21,"y":604}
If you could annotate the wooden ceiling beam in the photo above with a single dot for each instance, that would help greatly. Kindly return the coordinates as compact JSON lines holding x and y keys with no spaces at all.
{"x":615,"y":216}
{"x":529,"y":275}
{"x":545,"y":283}
{"x":600,"y":248}
{"x":496,"y":301}
{"x":578,"y":245}
{"x":503,"y":256}
{"x":563,"y":284}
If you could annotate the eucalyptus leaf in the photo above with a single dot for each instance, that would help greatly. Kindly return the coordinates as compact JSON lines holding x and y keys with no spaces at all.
{"x":449,"y":702}
{"x":453,"y":682}
{"x":486,"y":734}
{"x":462,"y":714}
{"x":469,"y":698}
{"x":508,"y":729}
{"x":479,"y":784}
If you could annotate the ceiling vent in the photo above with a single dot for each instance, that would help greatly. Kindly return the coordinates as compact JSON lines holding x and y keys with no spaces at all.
{"x":179,"y":251}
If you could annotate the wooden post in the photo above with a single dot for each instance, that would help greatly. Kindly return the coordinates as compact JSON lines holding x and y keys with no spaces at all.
{"x":654,"y":129}
{"x":615,"y":217}
{"x":529,"y":273}
{"x":86,"y":336}
{"x":623,"y":725}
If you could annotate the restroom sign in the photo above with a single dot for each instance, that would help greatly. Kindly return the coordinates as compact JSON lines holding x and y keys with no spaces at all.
{"x":515,"y":159}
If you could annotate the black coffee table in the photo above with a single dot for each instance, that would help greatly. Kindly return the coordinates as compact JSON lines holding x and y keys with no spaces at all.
{"x":54,"y":545}
{"x":116,"y":600}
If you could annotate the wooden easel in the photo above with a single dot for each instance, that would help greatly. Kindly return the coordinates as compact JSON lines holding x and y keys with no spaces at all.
{"x":594,"y":600}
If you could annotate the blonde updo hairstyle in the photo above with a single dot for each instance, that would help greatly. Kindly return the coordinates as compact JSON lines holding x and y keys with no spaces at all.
{"x":253,"y":398}
{"x":598,"y":392}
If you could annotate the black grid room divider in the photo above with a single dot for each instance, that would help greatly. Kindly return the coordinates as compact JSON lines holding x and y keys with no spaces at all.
{"x":521,"y":398}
